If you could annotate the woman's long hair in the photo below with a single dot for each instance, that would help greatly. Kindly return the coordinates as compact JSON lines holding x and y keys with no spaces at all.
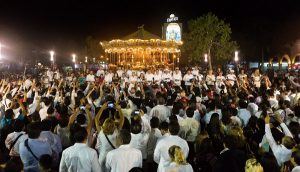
{"x":176,"y":155}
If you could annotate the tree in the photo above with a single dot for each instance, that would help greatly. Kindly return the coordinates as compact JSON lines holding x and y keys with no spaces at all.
{"x":211,"y":35}
{"x":93,"y":48}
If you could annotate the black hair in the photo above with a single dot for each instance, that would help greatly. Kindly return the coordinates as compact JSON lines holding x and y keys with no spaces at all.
{"x":154,"y":122}
{"x":296,"y":156}
{"x":34,"y":130}
{"x":136,"y":128}
{"x":81,"y":119}
{"x":80,"y":134}
{"x":174,"y":128}
{"x":269,"y":163}
{"x":18,"y":125}
{"x":125,"y":136}
{"x":163,"y":126}
{"x":9,"y":113}
{"x":190,"y":112}
{"x":46,"y":125}
{"x":136,"y":169}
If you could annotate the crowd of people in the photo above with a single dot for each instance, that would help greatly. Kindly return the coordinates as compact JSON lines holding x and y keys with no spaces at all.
{"x":150,"y":120}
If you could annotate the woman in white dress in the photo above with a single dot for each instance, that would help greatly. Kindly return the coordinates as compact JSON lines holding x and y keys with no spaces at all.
{"x":106,"y":140}
{"x":178,"y":162}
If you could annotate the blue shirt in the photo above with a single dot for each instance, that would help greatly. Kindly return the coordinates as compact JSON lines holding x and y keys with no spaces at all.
{"x":38,"y":147}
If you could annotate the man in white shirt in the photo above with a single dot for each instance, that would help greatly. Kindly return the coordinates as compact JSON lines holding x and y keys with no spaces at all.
{"x":125,"y":157}
{"x":14,"y":139}
{"x":79,"y":157}
{"x":189,"y":126}
{"x":177,"y":77}
{"x":166,"y":76}
{"x":283,"y":151}
{"x":187,"y":78}
{"x":161,"y":155}
{"x":90,"y":77}
{"x":45,"y":105}
{"x":100,"y":72}
{"x":160,"y":111}
{"x":139,"y":139}
{"x":243,"y":113}
{"x":231,"y":78}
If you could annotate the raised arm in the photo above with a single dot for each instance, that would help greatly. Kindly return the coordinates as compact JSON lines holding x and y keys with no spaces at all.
{"x":89,"y":118}
{"x":121,"y":120}
{"x":97,"y":118}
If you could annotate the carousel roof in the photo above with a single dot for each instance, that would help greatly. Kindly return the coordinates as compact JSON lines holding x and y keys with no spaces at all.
{"x":142,"y":34}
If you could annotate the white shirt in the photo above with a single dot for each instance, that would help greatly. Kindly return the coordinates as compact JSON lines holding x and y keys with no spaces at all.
{"x":166,"y":77}
{"x":149,"y":77}
{"x":210,"y":79}
{"x":161,"y":152}
{"x":244,"y":115}
{"x":296,"y":169}
{"x":187,"y":79}
{"x":108,"y":78}
{"x":160,"y":111}
{"x":173,"y":167}
{"x":123,"y":159}
{"x":190,"y":128}
{"x":231,"y":78}
{"x":43,"y":112}
{"x":79,"y":158}
{"x":253,"y":108}
{"x":11,"y":138}
{"x":90,"y":78}
{"x":99,"y":72}
{"x":281,"y":153}
{"x":177,"y":77}
{"x":139,"y":141}
{"x":104,"y":147}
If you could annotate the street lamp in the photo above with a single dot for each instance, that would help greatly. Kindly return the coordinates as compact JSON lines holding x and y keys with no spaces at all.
{"x":52,"y":56}
{"x":236,"y":56}
{"x":86,"y":59}
{"x":74,"y":58}
{"x":205,"y":58}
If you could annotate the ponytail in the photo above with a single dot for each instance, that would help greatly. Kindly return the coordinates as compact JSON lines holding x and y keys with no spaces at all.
{"x":177,"y":155}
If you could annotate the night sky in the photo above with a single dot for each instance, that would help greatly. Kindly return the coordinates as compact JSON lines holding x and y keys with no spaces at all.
{"x":261,"y":27}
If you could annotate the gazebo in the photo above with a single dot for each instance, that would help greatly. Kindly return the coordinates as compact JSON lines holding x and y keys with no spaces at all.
{"x":142,"y":49}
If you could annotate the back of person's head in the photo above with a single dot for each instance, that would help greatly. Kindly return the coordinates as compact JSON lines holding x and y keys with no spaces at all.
{"x":47,"y":100}
{"x":80,"y":135}
{"x":296,"y":157}
{"x":45,"y":162}
{"x":109,"y":126}
{"x":154,"y":122}
{"x":161,"y":100}
{"x":34,"y":130}
{"x":288,"y":142}
{"x":163,"y":126}
{"x":190,"y":112}
{"x":18,"y":125}
{"x":234,"y":138}
{"x":81,"y":119}
{"x":174,"y":128}
{"x":206,"y":146}
{"x":35,"y":116}
{"x":50,"y":110}
{"x":124,"y":137}
{"x":173,"y":118}
{"x":177,"y":155}
{"x":214,"y":120}
{"x":46,"y":125}
{"x":63,"y":122}
{"x":269,"y":163}
{"x":13,"y":166}
{"x":136,"y":128}
{"x":243,"y":104}
{"x":9,"y":114}
{"x":253,"y":166}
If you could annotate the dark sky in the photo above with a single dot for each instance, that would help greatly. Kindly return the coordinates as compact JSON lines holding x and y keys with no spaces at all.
{"x":30,"y":26}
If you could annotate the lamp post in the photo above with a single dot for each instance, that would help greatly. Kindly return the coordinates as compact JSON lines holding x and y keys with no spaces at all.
{"x":52,"y":58}
{"x":86,"y":59}
{"x":74,"y":60}
{"x":205,"y":58}
{"x":236,"y":59}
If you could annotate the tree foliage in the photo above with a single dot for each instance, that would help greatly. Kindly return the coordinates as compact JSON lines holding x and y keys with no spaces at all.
{"x":211,"y":35}
{"x":93,"y":48}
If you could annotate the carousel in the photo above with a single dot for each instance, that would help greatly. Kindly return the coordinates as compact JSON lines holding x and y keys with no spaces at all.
{"x":141,"y":50}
